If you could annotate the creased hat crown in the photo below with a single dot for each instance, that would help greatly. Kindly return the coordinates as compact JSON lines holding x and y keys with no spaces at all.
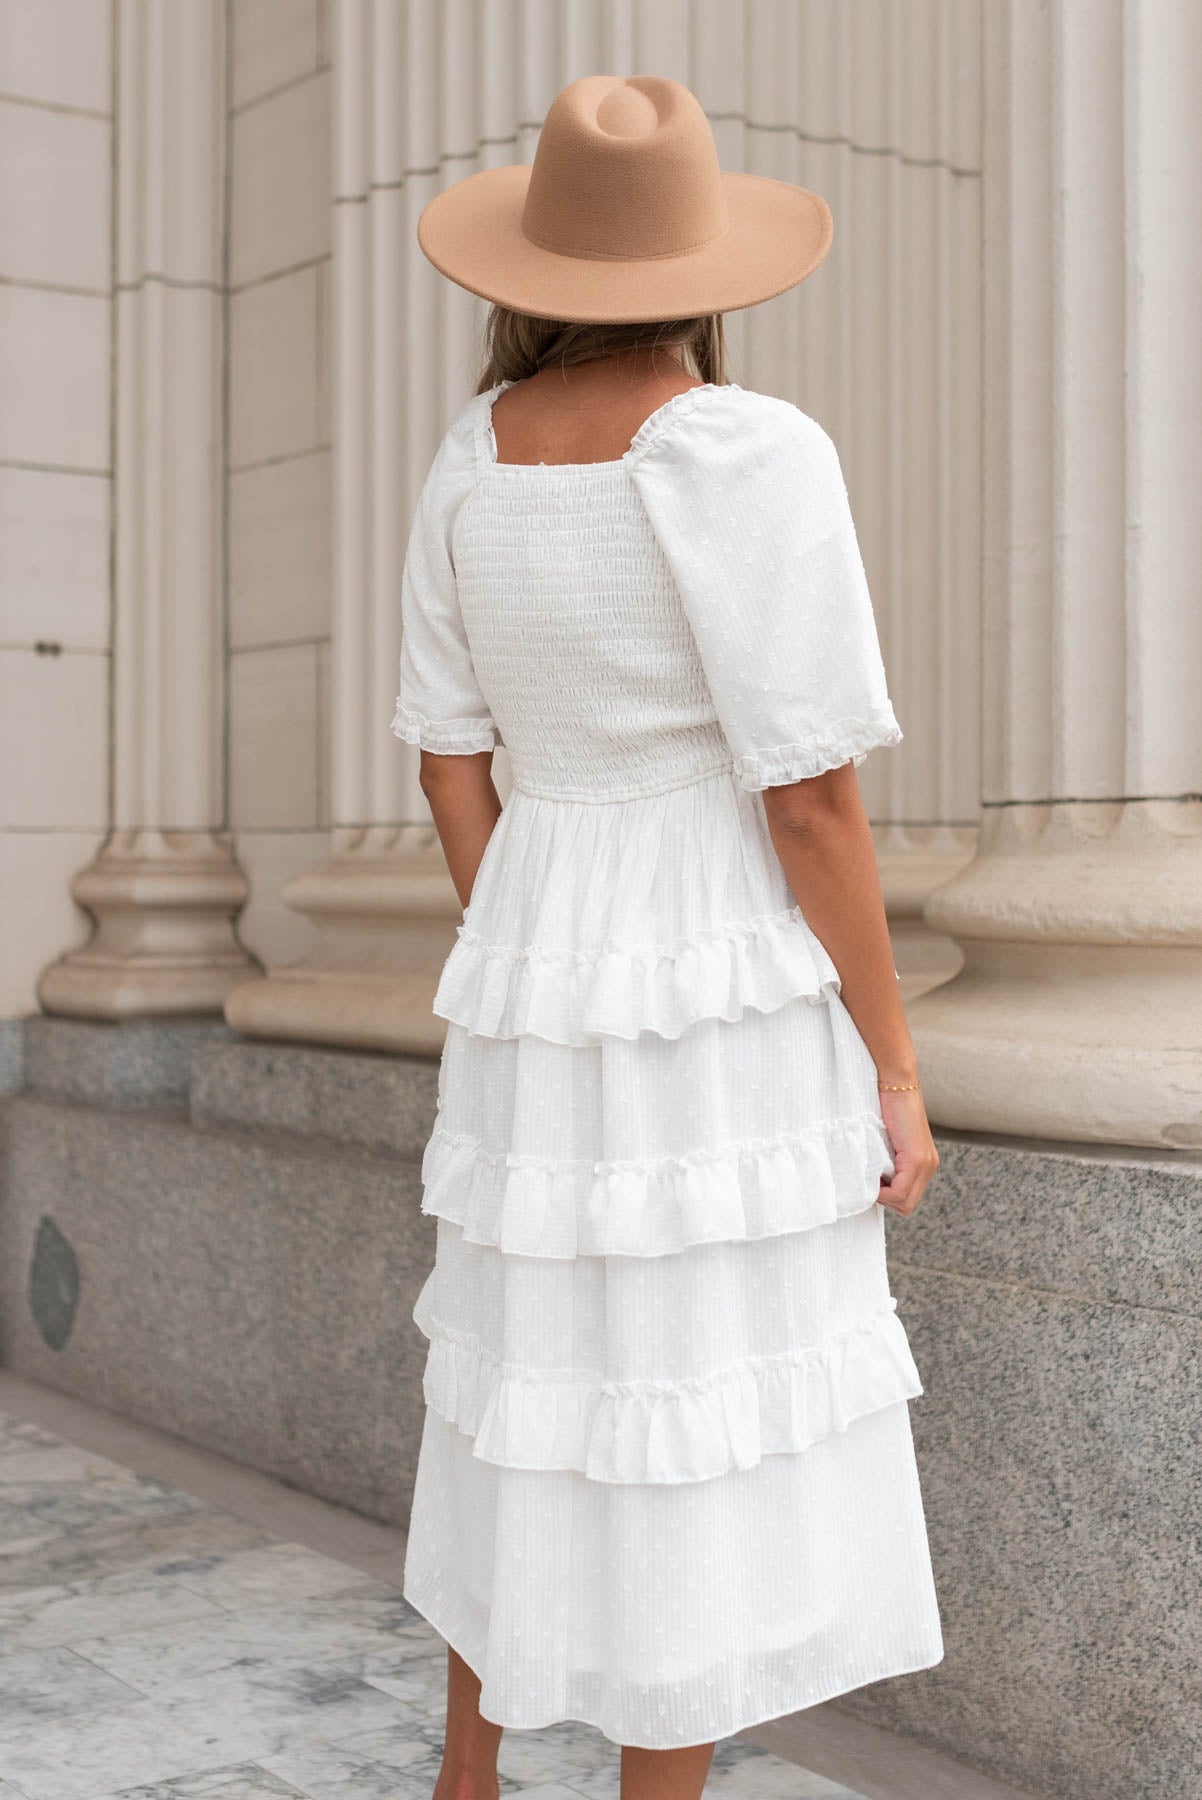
{"x":625,"y":168}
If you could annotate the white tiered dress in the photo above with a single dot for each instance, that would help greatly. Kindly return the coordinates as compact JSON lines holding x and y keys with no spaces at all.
{"x":666,"y":1482}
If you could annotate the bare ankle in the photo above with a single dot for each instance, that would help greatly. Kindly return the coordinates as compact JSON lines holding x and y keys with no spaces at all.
{"x":467,"y":1785}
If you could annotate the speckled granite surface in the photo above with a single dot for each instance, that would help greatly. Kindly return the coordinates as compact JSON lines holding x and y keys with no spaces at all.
{"x":12,"y":1055}
{"x":1054,"y":1302}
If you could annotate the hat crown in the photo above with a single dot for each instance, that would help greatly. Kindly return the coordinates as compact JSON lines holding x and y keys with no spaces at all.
{"x":625,"y":168}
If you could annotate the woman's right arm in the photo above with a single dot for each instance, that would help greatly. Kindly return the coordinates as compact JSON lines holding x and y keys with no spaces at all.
{"x":822,"y":836}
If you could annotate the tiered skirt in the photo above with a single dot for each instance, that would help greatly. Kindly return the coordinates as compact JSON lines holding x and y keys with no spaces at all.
{"x":666,"y":1482}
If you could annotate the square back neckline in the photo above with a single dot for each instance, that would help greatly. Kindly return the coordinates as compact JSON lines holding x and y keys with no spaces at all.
{"x":641,"y":437}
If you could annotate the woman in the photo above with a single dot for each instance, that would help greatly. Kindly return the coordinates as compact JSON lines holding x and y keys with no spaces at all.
{"x":666,"y":1482}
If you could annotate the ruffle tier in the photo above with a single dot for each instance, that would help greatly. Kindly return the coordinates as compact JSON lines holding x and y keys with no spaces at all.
{"x":599,"y":918}
{"x":655,"y":1206}
{"x":676,"y":1614}
{"x":669,"y":1431}
{"x":617,"y":990}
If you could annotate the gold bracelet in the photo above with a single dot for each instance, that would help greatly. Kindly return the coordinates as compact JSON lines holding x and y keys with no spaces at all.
{"x":904,"y":1087}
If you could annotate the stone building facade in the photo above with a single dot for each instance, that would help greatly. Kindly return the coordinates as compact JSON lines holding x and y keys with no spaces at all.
{"x":224,"y":366}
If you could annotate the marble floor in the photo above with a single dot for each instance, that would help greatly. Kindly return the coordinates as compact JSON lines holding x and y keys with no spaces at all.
{"x":155,"y":1646}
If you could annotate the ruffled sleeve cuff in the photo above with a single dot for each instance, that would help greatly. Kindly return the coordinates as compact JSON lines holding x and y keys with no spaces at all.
{"x":444,"y":737}
{"x":849,"y":740}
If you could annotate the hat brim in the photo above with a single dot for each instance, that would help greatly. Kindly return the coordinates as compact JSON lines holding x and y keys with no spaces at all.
{"x":472,"y":233}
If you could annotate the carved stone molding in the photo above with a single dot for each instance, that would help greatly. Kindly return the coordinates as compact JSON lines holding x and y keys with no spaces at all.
{"x":914,"y":861}
{"x":387,"y":912}
{"x":1076,"y":1014}
{"x":164,"y":905}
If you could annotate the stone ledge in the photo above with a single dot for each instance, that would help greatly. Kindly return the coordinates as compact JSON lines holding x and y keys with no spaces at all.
{"x":382,"y":1104}
{"x":142,"y":1062}
{"x":12,"y":1055}
{"x":1124,"y":1227}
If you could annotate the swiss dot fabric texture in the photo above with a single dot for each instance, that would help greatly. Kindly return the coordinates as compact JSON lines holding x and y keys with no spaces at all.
{"x":666,"y":1482}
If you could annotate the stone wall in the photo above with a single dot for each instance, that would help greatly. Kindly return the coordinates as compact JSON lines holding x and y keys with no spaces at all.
{"x":1054,"y":1300}
{"x":224,"y":1241}
{"x":56,"y":330}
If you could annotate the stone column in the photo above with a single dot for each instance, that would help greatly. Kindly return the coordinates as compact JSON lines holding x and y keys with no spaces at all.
{"x":1078,"y":1013}
{"x":165,"y":888}
{"x":384,"y":904}
{"x":882,"y":114}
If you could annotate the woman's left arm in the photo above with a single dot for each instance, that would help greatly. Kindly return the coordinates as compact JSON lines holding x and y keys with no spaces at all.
{"x":465,"y":806}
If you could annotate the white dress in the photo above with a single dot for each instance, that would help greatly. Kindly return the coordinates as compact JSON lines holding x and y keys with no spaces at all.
{"x":666,"y":1482}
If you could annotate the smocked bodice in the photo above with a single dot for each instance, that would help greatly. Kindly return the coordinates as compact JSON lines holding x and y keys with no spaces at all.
{"x":579,"y":638}
{"x":630,"y":628}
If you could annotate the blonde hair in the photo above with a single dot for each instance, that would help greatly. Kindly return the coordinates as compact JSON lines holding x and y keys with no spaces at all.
{"x":517,"y":344}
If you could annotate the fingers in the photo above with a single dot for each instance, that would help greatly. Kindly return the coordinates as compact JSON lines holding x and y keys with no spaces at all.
{"x":902,"y":1194}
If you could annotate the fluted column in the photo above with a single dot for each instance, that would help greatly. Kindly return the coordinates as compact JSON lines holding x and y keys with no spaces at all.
{"x":165,"y":888}
{"x":384,"y":904}
{"x":879,"y":108}
{"x":1077,"y":1012}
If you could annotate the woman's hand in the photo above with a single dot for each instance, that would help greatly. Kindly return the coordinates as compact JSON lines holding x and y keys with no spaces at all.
{"x":914,"y":1154}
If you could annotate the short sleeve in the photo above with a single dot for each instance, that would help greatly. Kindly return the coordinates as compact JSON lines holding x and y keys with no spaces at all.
{"x":747,"y":499}
{"x":439,"y":703}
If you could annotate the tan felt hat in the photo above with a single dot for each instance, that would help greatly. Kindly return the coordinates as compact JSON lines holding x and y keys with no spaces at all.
{"x":624,"y":215}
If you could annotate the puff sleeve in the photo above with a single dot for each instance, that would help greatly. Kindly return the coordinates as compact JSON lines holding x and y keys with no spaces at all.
{"x":747,"y":499}
{"x":439,"y":703}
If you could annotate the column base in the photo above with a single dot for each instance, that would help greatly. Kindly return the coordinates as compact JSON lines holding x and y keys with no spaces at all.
{"x":1076,"y":1014}
{"x":913,"y":862}
{"x":1066,"y":1042}
{"x":387,"y":913}
{"x":164,"y":943}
